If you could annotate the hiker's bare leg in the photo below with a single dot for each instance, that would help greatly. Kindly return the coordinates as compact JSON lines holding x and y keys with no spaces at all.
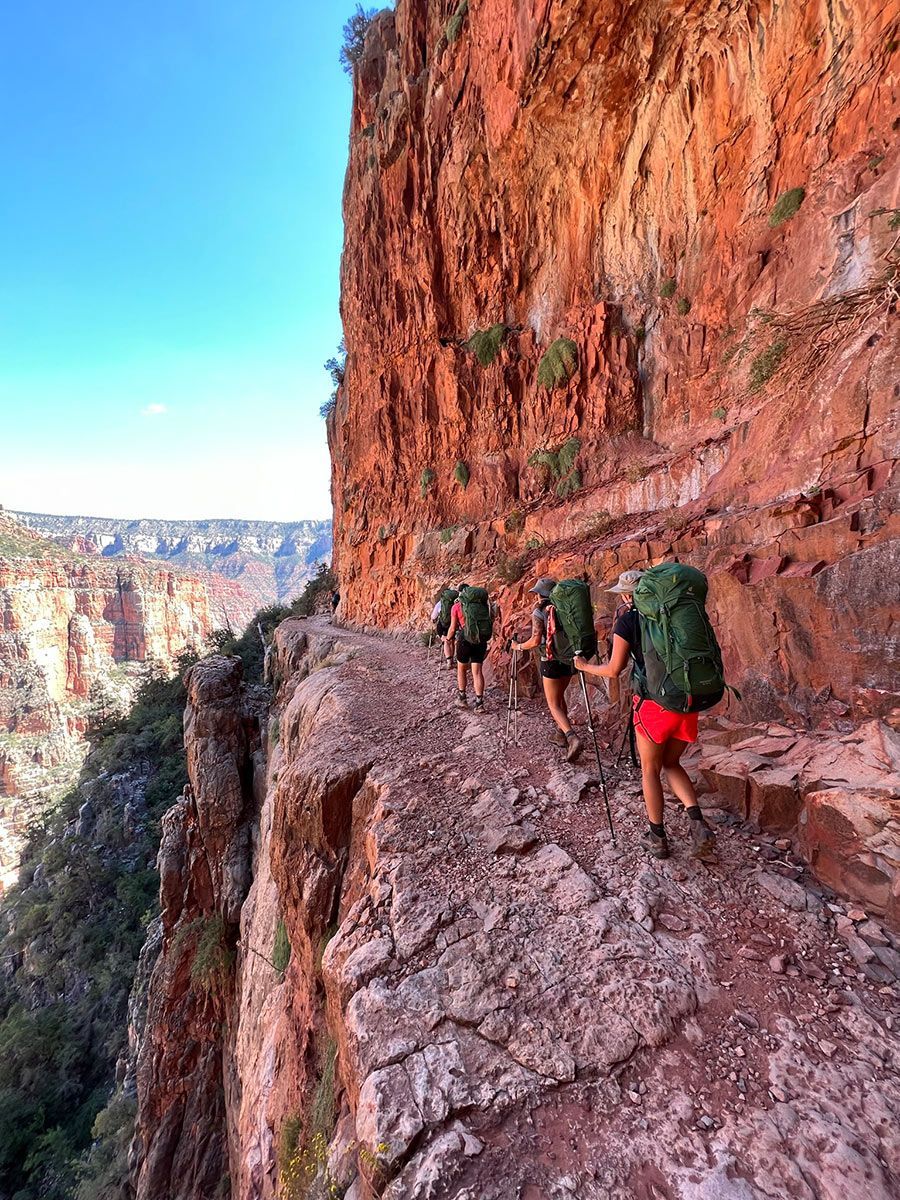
{"x":461,"y":669}
{"x":448,"y":649}
{"x":478,"y":678}
{"x":651,"y":765}
{"x":677,"y":776}
{"x":555,"y":695}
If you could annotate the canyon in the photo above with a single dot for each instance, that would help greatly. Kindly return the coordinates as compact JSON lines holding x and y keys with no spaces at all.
{"x":77,"y":634}
{"x":619,"y":285}
{"x":248,"y":565}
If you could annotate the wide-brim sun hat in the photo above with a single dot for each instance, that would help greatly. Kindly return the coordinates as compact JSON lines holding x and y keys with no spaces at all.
{"x":626,"y":582}
{"x":544,"y":586}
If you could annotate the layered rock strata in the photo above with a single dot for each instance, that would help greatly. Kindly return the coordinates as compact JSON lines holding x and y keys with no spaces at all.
{"x":74,"y":638}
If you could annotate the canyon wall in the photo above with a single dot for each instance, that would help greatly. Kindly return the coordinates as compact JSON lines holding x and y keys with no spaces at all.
{"x":248,"y":565}
{"x":705,"y":201}
{"x":75,"y":635}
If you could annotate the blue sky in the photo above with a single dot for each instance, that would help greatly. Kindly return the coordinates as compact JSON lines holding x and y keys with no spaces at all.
{"x":170,"y":235}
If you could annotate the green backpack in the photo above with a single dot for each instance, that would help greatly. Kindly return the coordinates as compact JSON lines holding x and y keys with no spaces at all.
{"x":682,"y":660}
{"x":447,"y":599}
{"x":570,"y":621}
{"x":477,"y":622}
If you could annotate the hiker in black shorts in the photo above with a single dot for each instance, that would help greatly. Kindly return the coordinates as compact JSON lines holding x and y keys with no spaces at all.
{"x":555,"y":675}
{"x":468,"y":654}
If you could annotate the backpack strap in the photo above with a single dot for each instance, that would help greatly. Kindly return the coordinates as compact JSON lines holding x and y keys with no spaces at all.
{"x":551,"y":630}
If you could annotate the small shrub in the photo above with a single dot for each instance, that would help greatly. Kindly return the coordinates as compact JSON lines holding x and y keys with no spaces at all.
{"x":336,"y":368}
{"x":213,"y":959}
{"x":354,"y":39}
{"x":485,"y":343}
{"x":635,"y":473}
{"x":461,"y":474}
{"x":786,"y":206}
{"x":559,"y":364}
{"x":569,"y":485}
{"x":682,"y":306}
{"x":274,"y":731}
{"x":387,"y":531}
{"x":509,"y":570}
{"x":514,"y":523}
{"x":446,"y":534}
{"x":368,"y":131}
{"x":425,"y":482}
{"x":455,"y":24}
{"x":764,"y":366}
{"x":720,"y":413}
{"x":281,"y":949}
{"x":598,"y":525}
{"x":667,"y":288}
{"x":546,"y":461}
{"x":567,"y":454}
{"x":535,"y":542}
{"x":875,"y":162}
{"x":640,"y":334}
{"x":894,"y":221}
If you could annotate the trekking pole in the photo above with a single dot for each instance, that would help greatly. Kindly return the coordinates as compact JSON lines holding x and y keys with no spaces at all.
{"x":509,"y":703}
{"x":430,"y":643}
{"x":590,"y":717}
{"x":516,"y":699}
{"x":626,"y":737}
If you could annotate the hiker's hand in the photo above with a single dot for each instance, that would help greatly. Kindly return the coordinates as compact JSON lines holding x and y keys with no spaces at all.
{"x":580,"y":663}
{"x":514,"y":646}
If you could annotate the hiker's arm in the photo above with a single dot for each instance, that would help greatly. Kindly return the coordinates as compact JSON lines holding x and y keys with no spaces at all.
{"x":537,"y":633}
{"x":618,"y":661}
{"x":454,"y":625}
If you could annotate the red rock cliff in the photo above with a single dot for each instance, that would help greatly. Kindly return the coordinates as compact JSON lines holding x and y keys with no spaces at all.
{"x":704,"y":200}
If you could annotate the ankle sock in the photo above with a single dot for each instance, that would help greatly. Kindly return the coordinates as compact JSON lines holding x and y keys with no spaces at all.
{"x":659,"y":830}
{"x":694,"y":812}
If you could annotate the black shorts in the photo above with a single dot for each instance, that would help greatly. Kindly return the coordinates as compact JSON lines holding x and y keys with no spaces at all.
{"x":551,"y":668}
{"x":470,"y":652}
{"x":442,"y":629}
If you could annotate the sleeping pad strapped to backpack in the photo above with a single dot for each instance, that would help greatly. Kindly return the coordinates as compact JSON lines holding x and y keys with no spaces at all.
{"x":477,"y":623}
{"x":682,"y":660}
{"x":570,"y":621}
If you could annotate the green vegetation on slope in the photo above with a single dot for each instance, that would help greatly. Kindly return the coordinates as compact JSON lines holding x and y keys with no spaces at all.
{"x":70,"y":936}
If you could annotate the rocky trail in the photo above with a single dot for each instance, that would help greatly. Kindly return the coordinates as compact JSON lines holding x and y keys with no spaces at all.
{"x":524,"y":1010}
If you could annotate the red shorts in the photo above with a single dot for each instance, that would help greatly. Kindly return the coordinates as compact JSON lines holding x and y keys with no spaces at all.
{"x":659,"y":725}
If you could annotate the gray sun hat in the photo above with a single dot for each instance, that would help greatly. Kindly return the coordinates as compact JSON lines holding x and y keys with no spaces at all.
{"x":627,"y":582}
{"x":544,"y":586}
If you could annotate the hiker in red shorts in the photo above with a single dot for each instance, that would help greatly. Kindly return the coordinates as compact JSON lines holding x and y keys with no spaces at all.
{"x":662,"y":736}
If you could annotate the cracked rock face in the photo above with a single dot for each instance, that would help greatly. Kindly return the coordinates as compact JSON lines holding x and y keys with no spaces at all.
{"x":610,"y":173}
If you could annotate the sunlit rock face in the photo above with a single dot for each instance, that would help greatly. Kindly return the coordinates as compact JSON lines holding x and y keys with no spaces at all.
{"x":705,"y":204}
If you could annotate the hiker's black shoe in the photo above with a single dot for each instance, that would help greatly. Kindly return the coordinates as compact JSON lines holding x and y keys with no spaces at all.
{"x":574,"y":746}
{"x":479,"y":703}
{"x":655,"y":845}
{"x":703,"y":840}
{"x":462,"y":700}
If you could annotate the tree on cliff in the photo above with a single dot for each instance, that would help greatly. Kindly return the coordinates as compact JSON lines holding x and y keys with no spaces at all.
{"x":355,"y":37}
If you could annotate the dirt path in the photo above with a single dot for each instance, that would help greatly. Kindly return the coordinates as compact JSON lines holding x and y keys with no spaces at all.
{"x":596,"y":1023}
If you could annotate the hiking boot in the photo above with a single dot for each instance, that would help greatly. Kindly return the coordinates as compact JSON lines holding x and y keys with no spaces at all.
{"x":655,"y":845}
{"x":462,"y":700}
{"x":479,"y":703}
{"x":558,"y":738}
{"x":574,"y":746}
{"x":703,"y":840}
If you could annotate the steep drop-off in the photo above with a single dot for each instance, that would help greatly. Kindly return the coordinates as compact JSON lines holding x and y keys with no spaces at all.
{"x":75,"y":634}
{"x":704,"y":200}
{"x":401,"y":958}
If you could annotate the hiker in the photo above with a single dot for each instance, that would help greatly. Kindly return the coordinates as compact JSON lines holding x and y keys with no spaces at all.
{"x":335,"y":601}
{"x":662,"y":734}
{"x":556,"y":674}
{"x":440,"y":616}
{"x":471,"y":625}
